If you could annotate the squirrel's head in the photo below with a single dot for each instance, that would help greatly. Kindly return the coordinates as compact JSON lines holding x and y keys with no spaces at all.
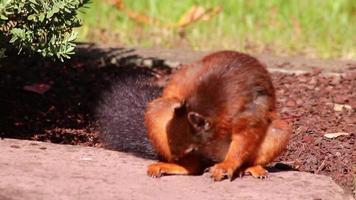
{"x":187,"y":130}
{"x":199,"y":123}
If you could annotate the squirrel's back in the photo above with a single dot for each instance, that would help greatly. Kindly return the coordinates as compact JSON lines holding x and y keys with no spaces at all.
{"x":222,"y":85}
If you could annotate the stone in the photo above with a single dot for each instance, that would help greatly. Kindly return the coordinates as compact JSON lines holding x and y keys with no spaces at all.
{"x":53,"y":171}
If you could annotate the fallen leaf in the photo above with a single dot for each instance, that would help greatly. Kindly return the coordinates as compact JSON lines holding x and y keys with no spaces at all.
{"x":335,"y":135}
{"x":142,"y":18}
{"x":197,"y":13}
{"x":308,"y":139}
{"x":39,"y":88}
{"x":192,"y":15}
{"x":119,"y":4}
{"x":340,"y":107}
{"x":291,"y":103}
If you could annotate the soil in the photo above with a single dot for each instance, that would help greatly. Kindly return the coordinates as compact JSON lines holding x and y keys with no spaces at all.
{"x":59,"y":103}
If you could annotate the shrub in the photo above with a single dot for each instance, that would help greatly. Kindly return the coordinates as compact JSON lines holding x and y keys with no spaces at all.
{"x":39,"y":26}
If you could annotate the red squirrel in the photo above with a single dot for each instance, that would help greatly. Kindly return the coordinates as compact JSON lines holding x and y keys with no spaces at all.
{"x":219,"y":114}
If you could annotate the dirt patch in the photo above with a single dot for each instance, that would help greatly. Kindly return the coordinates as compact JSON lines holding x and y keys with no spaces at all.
{"x":316,"y":105}
{"x":68,"y":112}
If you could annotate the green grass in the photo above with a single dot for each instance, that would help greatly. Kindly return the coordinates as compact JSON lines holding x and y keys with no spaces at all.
{"x":317,"y":28}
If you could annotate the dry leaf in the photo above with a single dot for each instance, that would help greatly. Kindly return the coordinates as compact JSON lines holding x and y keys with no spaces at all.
{"x":340,"y":107}
{"x":141,"y":18}
{"x":197,"y":13}
{"x":39,"y":88}
{"x":194,"y":14}
{"x":211,"y":12}
{"x":119,"y":4}
{"x":335,"y":135}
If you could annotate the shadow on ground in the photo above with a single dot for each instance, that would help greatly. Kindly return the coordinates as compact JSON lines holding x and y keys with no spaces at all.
{"x":98,"y":97}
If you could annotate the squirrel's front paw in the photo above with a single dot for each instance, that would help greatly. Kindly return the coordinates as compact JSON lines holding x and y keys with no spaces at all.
{"x":155,"y":170}
{"x":159,"y":169}
{"x":257,"y":171}
{"x":221,"y":171}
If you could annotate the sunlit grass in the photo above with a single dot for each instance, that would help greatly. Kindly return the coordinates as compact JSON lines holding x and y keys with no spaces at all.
{"x":319,"y":28}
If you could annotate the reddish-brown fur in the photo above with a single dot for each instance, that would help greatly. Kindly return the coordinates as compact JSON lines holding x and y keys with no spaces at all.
{"x":219,"y":112}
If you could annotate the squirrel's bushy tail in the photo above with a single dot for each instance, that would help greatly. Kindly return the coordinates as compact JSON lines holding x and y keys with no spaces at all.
{"x":121,"y":114}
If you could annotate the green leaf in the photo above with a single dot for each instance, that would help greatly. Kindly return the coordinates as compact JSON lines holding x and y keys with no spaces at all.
{"x":31,"y":17}
{"x":72,"y":37}
{"x":67,"y":10}
{"x":70,"y":49}
{"x":41,"y":17}
{"x":50,"y":14}
{"x":33,"y":1}
{"x":3,"y":17}
{"x":55,"y":9}
{"x":13,"y":39}
{"x":53,"y":37}
{"x":18,"y":32}
{"x":33,"y":6}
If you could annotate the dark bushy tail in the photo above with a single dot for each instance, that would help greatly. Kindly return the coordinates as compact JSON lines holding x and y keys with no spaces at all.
{"x":121,"y":114}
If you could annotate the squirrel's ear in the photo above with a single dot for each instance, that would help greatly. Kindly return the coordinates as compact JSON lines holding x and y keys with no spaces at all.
{"x":198,"y":121}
